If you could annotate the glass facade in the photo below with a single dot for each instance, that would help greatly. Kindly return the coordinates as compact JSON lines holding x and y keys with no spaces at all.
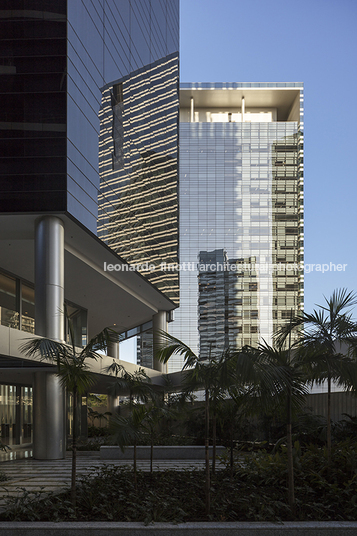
{"x":33,"y":106}
{"x":138,"y":169}
{"x":55,"y":58}
{"x":16,"y":414}
{"x":108,"y":42}
{"x":241,"y":213}
{"x":227,"y":302}
{"x":17,"y":309}
{"x":17,"y":303}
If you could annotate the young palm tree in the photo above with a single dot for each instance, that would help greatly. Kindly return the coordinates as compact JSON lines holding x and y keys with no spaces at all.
{"x":137,"y":384}
{"x":288,"y":391}
{"x":265,"y":377}
{"x":127,"y":431}
{"x":155,"y":412}
{"x":327,"y":337}
{"x":199,"y":374}
{"x":73,"y":372}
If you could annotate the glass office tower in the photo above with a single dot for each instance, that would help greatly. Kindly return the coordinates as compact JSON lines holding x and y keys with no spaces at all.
{"x":138,"y":215}
{"x":59,"y":62}
{"x":241,"y":210}
{"x":55,"y":59}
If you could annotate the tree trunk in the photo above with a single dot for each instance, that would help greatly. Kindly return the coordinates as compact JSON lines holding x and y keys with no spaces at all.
{"x":328,"y":431}
{"x":208,"y":483}
{"x":214,"y":442}
{"x":291,"y":491}
{"x":151,"y":451}
{"x":135,"y":479}
{"x":231,"y":454}
{"x":74,"y":449}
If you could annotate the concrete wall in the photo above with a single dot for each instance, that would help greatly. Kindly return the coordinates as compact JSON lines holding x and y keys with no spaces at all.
{"x":340,"y":403}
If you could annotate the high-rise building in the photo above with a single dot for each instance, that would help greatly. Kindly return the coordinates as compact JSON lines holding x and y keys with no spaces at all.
{"x":73,"y":72}
{"x":139,"y":172}
{"x":223,"y":286}
{"x":241,"y":210}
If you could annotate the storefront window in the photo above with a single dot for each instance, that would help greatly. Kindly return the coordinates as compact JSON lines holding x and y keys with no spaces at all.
{"x":15,"y":414}
{"x":28,"y":309}
{"x":9,"y":315}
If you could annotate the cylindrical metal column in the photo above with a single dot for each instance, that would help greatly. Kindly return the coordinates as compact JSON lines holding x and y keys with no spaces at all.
{"x":159,"y":324}
{"x":48,"y":395}
{"x":113,"y":404}
{"x":48,"y":417}
{"x":113,"y":349}
{"x":49,"y":278}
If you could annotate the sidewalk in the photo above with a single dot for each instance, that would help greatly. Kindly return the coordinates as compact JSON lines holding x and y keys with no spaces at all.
{"x":55,"y":475}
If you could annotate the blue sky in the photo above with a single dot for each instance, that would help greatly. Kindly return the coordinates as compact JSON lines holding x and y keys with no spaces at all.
{"x":310,"y":41}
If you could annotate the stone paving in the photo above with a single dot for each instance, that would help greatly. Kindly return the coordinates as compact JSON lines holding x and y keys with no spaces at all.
{"x":55,"y":475}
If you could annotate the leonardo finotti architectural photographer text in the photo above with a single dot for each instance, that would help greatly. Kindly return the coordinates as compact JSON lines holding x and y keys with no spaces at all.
{"x":262,"y":268}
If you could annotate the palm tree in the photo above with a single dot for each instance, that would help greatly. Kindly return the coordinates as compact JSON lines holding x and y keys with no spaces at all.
{"x":155,"y":412}
{"x":212,"y":375}
{"x":327,"y":338}
{"x":137,"y":384}
{"x":73,"y":372}
{"x":282,"y":386}
{"x":127,"y":430}
{"x":254,"y":378}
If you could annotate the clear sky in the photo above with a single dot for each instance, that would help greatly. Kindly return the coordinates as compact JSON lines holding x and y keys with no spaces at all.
{"x":310,"y":41}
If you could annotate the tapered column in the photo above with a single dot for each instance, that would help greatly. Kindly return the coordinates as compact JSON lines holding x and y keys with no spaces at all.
{"x":49,"y":402}
{"x":159,"y":322}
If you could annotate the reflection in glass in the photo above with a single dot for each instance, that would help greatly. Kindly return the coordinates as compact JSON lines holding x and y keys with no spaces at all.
{"x":138,"y":206}
{"x":9,"y":315}
{"x":28,"y":308}
{"x":241,"y":182}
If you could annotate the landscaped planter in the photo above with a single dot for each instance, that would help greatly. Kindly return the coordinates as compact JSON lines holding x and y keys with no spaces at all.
{"x":160,"y":453}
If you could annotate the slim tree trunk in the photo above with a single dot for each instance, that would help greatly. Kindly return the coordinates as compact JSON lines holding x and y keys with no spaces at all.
{"x":74,"y":449}
{"x":291,"y":491}
{"x":208,"y":482}
{"x":214,"y":442}
{"x":231,"y":453}
{"x":135,"y":479}
{"x":151,"y":450}
{"x":328,"y":431}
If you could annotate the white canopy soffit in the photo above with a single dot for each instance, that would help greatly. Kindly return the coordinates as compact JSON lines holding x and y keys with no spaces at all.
{"x":122,"y":299}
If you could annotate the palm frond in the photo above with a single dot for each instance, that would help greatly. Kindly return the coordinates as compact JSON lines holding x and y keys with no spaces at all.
{"x":43,"y":348}
{"x":172,"y":346}
{"x":101,"y":341}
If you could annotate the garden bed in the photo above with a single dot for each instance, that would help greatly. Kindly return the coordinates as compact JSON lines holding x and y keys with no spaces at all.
{"x":255,"y":490}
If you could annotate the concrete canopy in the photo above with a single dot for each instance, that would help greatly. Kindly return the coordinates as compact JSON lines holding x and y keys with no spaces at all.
{"x":122,"y":299}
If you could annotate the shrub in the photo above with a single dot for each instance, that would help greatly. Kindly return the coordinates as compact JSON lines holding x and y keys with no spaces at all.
{"x":255,"y":491}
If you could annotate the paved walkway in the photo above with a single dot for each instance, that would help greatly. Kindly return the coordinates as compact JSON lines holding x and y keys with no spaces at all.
{"x":55,"y":475}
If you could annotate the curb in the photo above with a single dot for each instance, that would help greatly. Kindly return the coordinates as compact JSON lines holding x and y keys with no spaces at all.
{"x":345,"y":528}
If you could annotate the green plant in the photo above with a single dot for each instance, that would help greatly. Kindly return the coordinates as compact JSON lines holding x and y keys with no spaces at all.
{"x":256,"y":491}
{"x":207,"y":373}
{"x":325,"y":331}
{"x":72,"y":370}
